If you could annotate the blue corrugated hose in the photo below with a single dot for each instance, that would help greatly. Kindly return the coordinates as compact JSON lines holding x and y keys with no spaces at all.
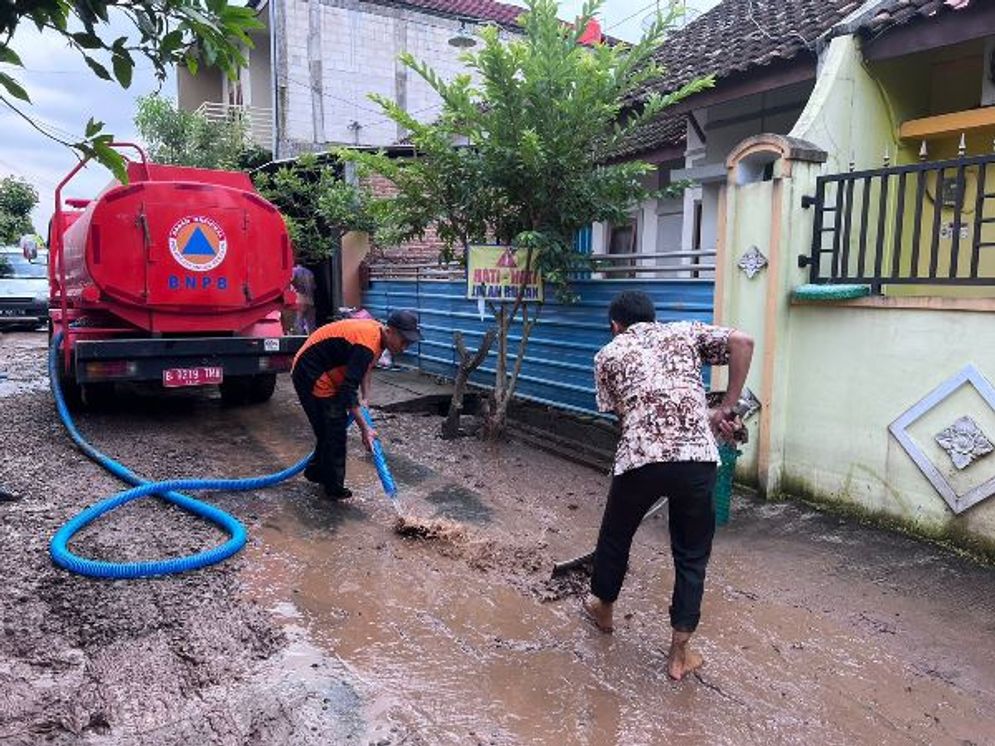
{"x":59,"y":546}
{"x":380,"y":461}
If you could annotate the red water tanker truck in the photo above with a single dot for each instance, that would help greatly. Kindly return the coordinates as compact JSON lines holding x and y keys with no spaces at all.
{"x":178,"y":277}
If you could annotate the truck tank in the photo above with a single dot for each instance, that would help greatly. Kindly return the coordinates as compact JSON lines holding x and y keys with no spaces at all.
{"x":178,"y":277}
{"x":179,"y":250}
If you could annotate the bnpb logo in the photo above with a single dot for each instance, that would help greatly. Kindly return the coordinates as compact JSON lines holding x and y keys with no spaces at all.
{"x":197,"y":243}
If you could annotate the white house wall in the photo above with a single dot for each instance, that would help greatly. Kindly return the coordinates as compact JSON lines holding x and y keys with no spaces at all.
{"x":259,"y":90}
{"x":670,"y":224}
{"x":193,"y":90}
{"x":725,"y":126}
{"x":356,"y":45}
{"x":728,"y":124}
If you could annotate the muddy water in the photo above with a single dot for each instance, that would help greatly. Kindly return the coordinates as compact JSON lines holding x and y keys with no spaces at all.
{"x":331,"y":628}
{"x":452,"y":642}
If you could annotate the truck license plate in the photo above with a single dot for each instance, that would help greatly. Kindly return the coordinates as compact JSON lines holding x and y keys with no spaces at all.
{"x":176,"y":377}
{"x":12,"y":312}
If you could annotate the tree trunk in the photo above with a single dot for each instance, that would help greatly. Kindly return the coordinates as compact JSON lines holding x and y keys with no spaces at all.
{"x":467,"y":364}
{"x":504,"y":386}
{"x":501,"y":369}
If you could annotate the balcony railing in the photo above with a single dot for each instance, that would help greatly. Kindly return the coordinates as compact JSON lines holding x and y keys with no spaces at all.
{"x":258,"y":120}
{"x":695,"y":264}
{"x":672,"y":265}
{"x":921,"y":224}
{"x":440,"y":272}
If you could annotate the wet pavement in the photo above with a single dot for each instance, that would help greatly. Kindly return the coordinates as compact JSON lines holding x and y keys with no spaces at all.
{"x":331,"y":628}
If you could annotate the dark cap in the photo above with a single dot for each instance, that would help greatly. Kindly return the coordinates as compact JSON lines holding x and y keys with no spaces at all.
{"x":405,"y":322}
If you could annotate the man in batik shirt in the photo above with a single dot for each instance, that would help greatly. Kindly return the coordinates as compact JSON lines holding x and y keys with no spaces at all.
{"x":649,"y":375}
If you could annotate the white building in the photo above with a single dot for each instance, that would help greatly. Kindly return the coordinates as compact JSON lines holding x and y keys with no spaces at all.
{"x":314,"y":63}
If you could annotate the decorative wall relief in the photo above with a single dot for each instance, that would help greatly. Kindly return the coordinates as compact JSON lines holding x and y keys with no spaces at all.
{"x":963,"y":441}
{"x":749,"y":404}
{"x":752,"y":262}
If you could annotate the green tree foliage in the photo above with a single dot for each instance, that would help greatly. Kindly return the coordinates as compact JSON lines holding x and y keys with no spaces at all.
{"x":521,"y":152}
{"x":165,"y":33}
{"x":319,"y":207}
{"x":17,"y":199}
{"x":186,"y":138}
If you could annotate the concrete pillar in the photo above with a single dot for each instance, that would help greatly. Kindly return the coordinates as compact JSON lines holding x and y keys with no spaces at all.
{"x":279,"y":64}
{"x":765,"y":214}
{"x":400,"y":71}
{"x":315,"y":70}
{"x":355,"y":247}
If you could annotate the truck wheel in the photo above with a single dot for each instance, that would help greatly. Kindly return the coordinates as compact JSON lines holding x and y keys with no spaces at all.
{"x":72,"y":392}
{"x":261,"y":388}
{"x":235,"y":390}
{"x":98,"y":396}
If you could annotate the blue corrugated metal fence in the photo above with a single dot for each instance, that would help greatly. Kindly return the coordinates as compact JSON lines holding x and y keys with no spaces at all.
{"x":559,"y":360}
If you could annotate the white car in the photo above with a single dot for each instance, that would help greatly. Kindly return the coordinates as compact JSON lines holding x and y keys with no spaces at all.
{"x":23,"y":288}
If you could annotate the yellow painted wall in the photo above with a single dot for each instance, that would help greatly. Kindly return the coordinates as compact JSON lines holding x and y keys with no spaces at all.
{"x":853,"y":371}
{"x":953,"y":77}
{"x":355,"y":247}
{"x":833,"y":377}
{"x":744,"y":302}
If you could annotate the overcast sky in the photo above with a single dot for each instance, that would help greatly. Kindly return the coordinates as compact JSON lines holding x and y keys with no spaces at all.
{"x":624,"y":18}
{"x":65,"y":93}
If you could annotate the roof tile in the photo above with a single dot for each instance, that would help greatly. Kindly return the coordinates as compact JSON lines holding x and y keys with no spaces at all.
{"x":480,"y":10}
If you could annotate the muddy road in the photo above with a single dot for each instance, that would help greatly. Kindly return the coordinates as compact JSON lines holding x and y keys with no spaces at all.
{"x":331,"y":628}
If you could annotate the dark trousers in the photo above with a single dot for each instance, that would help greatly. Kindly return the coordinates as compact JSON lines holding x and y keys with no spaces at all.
{"x":329,"y":420}
{"x":689,"y":486}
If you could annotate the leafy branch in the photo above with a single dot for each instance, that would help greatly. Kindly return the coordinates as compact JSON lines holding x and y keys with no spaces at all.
{"x":163,"y":32}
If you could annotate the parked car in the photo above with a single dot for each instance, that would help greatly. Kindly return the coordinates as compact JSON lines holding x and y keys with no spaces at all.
{"x":23,"y":288}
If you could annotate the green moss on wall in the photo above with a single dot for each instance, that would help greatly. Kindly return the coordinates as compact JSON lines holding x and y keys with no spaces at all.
{"x":951,"y":534}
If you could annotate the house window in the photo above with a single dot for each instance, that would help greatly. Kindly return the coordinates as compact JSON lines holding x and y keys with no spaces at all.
{"x":696,"y":230}
{"x":622,"y":240}
{"x":696,"y":235}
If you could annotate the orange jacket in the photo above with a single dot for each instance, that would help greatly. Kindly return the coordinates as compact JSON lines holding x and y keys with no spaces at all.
{"x":336,"y":356}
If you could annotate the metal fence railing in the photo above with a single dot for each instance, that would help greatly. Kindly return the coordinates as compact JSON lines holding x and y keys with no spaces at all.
{"x":929,"y":223}
{"x":674,"y":265}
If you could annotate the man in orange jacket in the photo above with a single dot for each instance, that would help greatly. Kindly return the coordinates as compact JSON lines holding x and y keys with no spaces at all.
{"x":327,"y":373}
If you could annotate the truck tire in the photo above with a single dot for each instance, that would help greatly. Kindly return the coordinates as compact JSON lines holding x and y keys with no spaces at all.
{"x":261,"y":388}
{"x":235,"y":390}
{"x":98,"y":396}
{"x":72,"y":392}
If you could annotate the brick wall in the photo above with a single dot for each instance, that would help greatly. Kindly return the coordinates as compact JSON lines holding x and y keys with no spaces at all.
{"x":423,"y":251}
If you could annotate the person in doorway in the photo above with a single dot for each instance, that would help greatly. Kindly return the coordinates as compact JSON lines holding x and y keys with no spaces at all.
{"x":329,"y":373}
{"x":649,"y":375}
{"x":302,"y":281}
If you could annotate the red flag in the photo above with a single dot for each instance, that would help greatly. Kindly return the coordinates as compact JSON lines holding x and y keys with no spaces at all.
{"x":592,"y":34}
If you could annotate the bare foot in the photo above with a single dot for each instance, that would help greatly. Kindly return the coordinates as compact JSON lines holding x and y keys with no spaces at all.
{"x":682,"y":660}
{"x":598,"y":612}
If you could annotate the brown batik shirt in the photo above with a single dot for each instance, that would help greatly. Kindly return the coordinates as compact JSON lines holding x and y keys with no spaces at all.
{"x":650,"y":376}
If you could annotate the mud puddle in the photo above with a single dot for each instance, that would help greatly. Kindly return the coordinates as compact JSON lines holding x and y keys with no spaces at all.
{"x":441,"y":631}
{"x":462,"y":637}
{"x":332,"y":628}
